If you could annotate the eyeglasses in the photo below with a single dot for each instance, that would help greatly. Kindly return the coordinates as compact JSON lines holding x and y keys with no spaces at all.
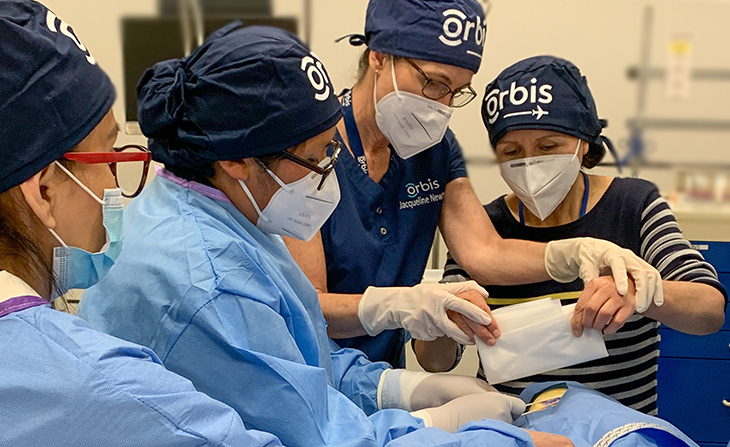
{"x":130,"y":175}
{"x":325,"y":170}
{"x":433,"y":89}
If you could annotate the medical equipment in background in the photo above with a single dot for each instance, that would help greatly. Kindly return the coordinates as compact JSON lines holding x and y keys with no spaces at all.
{"x":179,"y":28}
{"x":643,"y":73}
{"x":536,"y":337}
{"x":191,"y":11}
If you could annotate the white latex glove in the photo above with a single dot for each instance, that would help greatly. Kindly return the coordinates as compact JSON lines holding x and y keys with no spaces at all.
{"x":585,"y":257}
{"x":421,"y":310}
{"x":473,"y":407}
{"x":415,"y":390}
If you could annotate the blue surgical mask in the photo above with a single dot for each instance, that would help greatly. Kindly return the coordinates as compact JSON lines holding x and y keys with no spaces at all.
{"x":75,"y":268}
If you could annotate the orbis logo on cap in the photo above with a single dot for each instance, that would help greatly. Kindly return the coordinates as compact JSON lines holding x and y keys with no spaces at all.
{"x":457,"y":29}
{"x":317,"y":76}
{"x":66,"y":30}
{"x":534,"y":95}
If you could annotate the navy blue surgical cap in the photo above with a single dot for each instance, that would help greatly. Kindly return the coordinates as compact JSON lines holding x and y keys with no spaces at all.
{"x":52,"y":92}
{"x":245,"y":92}
{"x":542,"y":92}
{"x":451,"y":32}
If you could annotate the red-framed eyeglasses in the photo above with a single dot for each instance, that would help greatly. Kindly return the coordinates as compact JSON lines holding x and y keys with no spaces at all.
{"x":131,"y":175}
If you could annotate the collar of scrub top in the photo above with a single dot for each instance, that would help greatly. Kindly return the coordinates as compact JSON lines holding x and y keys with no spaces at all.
{"x":16,"y":295}
{"x":583,"y":206}
{"x":353,"y":135}
{"x":207,"y":191}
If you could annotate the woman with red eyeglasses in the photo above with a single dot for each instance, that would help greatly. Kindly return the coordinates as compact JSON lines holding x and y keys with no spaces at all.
{"x":61,"y":382}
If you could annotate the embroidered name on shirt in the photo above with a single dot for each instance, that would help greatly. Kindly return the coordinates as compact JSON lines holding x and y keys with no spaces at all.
{"x":422,"y":193}
{"x":431,"y":198}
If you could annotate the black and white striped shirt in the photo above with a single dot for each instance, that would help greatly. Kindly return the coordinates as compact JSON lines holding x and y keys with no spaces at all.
{"x":632,"y":215}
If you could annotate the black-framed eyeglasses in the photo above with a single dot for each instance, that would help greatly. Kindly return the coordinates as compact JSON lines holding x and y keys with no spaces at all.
{"x":433,"y":89}
{"x":129,"y":164}
{"x":325,"y":170}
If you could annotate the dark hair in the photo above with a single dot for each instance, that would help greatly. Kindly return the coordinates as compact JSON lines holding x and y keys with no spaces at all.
{"x":201,"y":174}
{"x":269,"y":159}
{"x":596,"y":152}
{"x":17,"y":243}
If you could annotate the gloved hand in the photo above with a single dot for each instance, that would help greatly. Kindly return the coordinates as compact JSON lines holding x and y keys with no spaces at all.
{"x":415,"y":390}
{"x":567,"y":259}
{"x":472,"y":407}
{"x":421,"y":310}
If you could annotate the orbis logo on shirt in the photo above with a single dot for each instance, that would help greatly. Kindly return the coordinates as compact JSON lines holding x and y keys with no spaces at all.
{"x":421,"y":193}
{"x":535,"y":94}
{"x":457,"y":29}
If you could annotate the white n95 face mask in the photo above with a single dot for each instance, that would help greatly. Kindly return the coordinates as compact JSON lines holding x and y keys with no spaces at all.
{"x":542,"y":182}
{"x":297,"y":209}
{"x":410,"y":122}
{"x":75,"y":268}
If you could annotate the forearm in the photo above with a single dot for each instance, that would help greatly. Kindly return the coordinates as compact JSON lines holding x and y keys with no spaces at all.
{"x":691,"y":307}
{"x":507,"y":262}
{"x":340,"y":311}
{"x":436,"y":356}
{"x":478,"y":248}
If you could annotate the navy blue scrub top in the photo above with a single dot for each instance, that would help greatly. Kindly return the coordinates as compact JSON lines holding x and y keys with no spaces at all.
{"x":381,"y":233}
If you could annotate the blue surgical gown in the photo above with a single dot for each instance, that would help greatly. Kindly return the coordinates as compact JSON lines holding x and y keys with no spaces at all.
{"x":226,"y":306}
{"x":590,"y":418}
{"x":65,"y":384}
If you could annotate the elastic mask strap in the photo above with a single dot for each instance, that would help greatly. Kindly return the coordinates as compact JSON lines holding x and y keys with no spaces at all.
{"x":250,"y":197}
{"x":78,"y":182}
{"x":58,"y":238}
{"x":276,"y":178}
{"x":575,"y":155}
{"x":392,"y":73}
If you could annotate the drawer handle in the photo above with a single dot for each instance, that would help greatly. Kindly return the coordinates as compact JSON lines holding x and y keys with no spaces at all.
{"x":726,"y":403}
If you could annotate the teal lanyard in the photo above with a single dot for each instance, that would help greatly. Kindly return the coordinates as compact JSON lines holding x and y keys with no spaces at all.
{"x":583,"y":207}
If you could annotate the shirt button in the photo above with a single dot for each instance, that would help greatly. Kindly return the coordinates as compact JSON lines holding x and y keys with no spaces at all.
{"x":383,"y":231}
{"x":379,"y":210}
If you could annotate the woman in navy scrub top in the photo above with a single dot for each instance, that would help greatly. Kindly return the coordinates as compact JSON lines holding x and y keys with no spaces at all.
{"x":403,"y":176}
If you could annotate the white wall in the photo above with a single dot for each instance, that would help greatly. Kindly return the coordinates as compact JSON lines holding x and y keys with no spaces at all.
{"x":600,"y":37}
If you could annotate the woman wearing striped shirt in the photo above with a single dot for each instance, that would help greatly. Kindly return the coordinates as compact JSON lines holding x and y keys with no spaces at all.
{"x":544,"y":127}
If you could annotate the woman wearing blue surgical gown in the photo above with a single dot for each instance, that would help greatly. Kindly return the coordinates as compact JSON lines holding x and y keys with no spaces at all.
{"x":243,"y":126}
{"x":61,"y":382}
{"x":207,"y":283}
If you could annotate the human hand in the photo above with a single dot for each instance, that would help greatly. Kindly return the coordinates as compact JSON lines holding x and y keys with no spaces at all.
{"x":489,"y":333}
{"x":568,"y":259}
{"x":601,"y":307}
{"x":421,"y":310}
{"x":415,"y":390}
{"x":472,"y":407}
{"x":543,"y":439}
{"x":438,"y":389}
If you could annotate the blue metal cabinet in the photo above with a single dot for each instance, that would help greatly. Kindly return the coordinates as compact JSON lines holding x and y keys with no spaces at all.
{"x":694,"y":371}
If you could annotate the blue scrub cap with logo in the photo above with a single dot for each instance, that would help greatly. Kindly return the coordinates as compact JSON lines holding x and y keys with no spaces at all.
{"x":450,"y":32}
{"x":543,"y":92}
{"x":52,"y":92}
{"x":245,"y":92}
